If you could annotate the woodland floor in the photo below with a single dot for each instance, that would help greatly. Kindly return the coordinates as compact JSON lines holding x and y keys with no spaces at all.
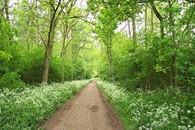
{"x":86,"y":111}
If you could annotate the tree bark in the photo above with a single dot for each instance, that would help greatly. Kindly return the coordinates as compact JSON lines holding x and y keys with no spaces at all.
{"x":134,"y":29}
{"x":46,"y":64}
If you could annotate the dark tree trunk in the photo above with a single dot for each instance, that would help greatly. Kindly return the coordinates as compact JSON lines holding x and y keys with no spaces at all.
{"x":134,"y":29}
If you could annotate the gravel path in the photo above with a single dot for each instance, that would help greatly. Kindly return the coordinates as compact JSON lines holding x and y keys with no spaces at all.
{"x":86,"y":111}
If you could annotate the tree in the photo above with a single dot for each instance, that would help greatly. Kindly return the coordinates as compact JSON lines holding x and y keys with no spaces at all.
{"x":55,"y":12}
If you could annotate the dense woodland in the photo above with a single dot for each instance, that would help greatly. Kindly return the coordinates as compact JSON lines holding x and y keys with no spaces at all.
{"x":136,"y":43}
{"x":145,"y":48}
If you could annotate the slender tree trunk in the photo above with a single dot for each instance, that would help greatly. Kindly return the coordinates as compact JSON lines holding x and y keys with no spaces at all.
{"x":146,"y":18}
{"x":63,"y":49}
{"x":109,"y":53}
{"x":152,"y":21}
{"x":162,"y":32}
{"x":174,"y":56}
{"x":63,"y":58}
{"x":129,"y":28}
{"x":134,"y":29}
{"x":6,"y":5}
{"x":72,"y":62}
{"x":37,"y":20}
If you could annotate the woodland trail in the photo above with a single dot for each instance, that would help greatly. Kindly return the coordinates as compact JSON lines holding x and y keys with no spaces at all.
{"x":86,"y":111}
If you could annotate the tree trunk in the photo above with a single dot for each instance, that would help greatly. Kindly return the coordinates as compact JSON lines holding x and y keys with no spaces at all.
{"x":162,"y":32}
{"x":129,"y":28}
{"x":63,"y":58}
{"x":48,"y":51}
{"x":109,"y":54}
{"x":63,"y":50}
{"x":174,"y":56}
{"x":53,"y":16}
{"x":152,"y":21}
{"x":46,"y":64}
{"x":134,"y":30}
{"x":6,"y":5}
{"x":146,"y":17}
{"x":72,"y":62}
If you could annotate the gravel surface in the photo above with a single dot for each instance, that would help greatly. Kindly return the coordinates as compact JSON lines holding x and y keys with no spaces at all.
{"x":86,"y":111}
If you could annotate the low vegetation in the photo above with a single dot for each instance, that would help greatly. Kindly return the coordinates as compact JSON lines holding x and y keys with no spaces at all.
{"x":151,"y":110}
{"x":26,"y":109}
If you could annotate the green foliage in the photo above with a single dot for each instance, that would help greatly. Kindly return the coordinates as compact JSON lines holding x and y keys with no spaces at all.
{"x":186,"y":67}
{"x":149,"y":68}
{"x":27,"y":109}
{"x":33,"y":67}
{"x":10,"y":54}
{"x":4,"y":57}
{"x":11,"y":80}
{"x":151,"y":110}
{"x":155,"y":62}
{"x":31,"y":70}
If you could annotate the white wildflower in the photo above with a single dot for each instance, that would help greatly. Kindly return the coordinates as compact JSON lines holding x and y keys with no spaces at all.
{"x":188,"y":111}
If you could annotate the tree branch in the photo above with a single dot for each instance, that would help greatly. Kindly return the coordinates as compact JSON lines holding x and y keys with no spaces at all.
{"x":158,"y":15}
{"x":42,"y":39}
{"x":188,"y":22}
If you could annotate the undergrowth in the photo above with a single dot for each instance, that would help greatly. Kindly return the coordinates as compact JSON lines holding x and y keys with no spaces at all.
{"x":151,"y":110}
{"x":27,"y":109}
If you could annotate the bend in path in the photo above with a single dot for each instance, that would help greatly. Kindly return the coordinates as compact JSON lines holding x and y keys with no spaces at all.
{"x":87,"y":111}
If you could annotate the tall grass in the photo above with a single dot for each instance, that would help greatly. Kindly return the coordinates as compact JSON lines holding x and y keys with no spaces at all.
{"x":151,"y":110}
{"x":25,"y":110}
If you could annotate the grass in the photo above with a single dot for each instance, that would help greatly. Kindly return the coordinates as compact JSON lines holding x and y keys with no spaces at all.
{"x":151,"y":110}
{"x":25,"y":110}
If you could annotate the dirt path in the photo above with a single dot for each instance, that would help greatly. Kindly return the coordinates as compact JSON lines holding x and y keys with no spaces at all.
{"x":86,"y":111}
